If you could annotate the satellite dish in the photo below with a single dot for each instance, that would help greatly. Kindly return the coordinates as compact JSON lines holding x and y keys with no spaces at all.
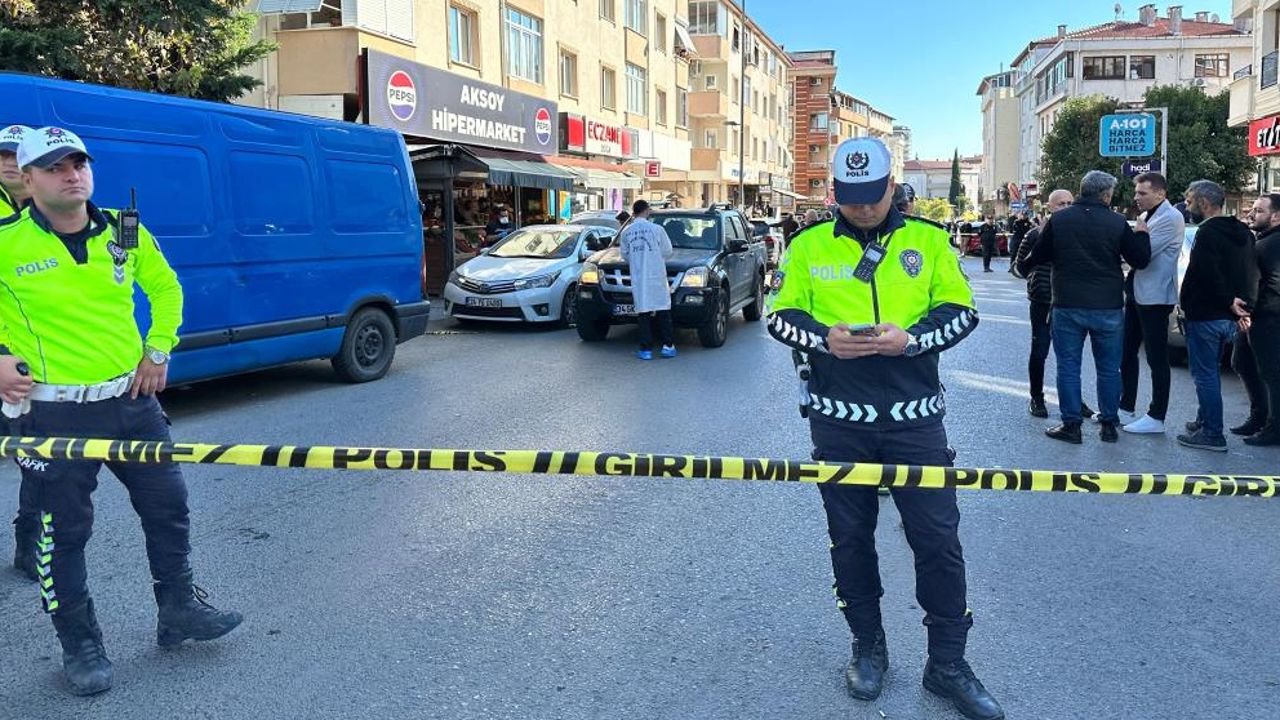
{"x":1119,"y":11}
{"x":1215,"y":18}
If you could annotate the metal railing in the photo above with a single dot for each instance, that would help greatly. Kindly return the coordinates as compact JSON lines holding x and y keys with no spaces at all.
{"x":1243,"y":72}
{"x":1269,"y":67}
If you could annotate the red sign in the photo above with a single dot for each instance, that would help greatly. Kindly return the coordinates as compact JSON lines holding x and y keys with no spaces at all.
{"x":653,"y":169}
{"x":584,"y":135}
{"x":1264,"y":136}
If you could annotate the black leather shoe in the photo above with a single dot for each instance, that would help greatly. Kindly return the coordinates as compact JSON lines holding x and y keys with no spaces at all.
{"x":1252,"y":426}
{"x":1087,"y":412}
{"x":1109,"y":433}
{"x":1066,"y":432}
{"x":1194,"y":426}
{"x":956,"y":682}
{"x":865,"y":675}
{"x":1038,"y":409}
{"x":1269,"y":437}
{"x":185,"y":615}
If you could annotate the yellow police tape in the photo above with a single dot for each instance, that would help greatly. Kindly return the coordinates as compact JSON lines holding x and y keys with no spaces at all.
{"x":610,"y":464}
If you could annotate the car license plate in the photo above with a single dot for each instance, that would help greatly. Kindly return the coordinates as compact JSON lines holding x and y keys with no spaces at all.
{"x":624,"y":309}
{"x":484,"y":302}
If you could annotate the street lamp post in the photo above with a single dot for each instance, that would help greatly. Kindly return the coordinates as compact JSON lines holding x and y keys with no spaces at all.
{"x":742,"y":111}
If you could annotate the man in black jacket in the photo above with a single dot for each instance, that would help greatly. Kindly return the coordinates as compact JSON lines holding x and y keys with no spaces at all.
{"x":1086,"y":243}
{"x":1257,"y":354}
{"x":988,"y":233}
{"x":1218,"y":273}
{"x":1019,"y":227}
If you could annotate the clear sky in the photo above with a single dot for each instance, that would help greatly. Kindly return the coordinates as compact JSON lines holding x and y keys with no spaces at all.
{"x":921,"y":60}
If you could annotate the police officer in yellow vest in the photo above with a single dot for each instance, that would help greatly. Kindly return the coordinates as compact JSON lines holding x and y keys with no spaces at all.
{"x":12,"y":193}
{"x":872,"y":299}
{"x":74,"y":365}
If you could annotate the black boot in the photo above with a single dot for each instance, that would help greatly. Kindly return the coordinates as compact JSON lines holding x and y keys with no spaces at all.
{"x":865,"y":674}
{"x":26,"y":537}
{"x":184,"y":615}
{"x":1038,"y":408}
{"x":1109,"y":433}
{"x":1268,"y":437}
{"x":1252,"y":426}
{"x":84,"y":660}
{"x":1087,"y":412}
{"x":1066,"y":432}
{"x":955,"y":682}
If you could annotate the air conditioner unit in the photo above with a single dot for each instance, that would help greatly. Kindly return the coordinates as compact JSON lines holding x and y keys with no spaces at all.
{"x":1198,"y":82}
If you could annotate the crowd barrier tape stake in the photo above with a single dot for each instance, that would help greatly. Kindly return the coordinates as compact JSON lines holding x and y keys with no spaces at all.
{"x":637,"y":465}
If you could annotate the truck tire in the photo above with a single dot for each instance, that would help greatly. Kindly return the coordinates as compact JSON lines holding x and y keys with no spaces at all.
{"x":755,"y":311}
{"x":594,"y":330}
{"x":367,"y":347}
{"x":714,"y":331}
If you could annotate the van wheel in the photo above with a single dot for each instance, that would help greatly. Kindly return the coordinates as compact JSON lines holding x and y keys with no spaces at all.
{"x":367,"y":347}
{"x":755,"y":311}
{"x":594,"y":330}
{"x":715,"y":330}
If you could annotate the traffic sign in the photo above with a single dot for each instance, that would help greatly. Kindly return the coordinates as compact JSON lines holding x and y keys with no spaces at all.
{"x":1134,"y":169}
{"x":1017,"y":205}
{"x":1127,"y":135}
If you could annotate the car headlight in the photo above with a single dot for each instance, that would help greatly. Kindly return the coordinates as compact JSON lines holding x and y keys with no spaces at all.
{"x":590,"y":274}
{"x":694,"y":278}
{"x":542,"y":281}
{"x":455,"y":277}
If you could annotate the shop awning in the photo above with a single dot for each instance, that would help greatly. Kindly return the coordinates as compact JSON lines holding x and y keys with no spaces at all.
{"x":501,"y":168}
{"x":682,"y":35}
{"x":788,"y":193}
{"x":595,"y":175}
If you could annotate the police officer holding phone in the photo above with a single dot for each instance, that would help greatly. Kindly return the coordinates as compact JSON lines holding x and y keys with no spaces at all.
{"x":872,"y":299}
{"x":73,"y":364}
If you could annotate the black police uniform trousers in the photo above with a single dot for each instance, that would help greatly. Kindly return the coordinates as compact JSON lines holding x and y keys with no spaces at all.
{"x":64,"y":489}
{"x":930,"y":518}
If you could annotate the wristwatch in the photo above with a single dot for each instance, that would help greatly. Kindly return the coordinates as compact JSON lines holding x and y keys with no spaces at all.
{"x":912,"y":348}
{"x":157,"y":357}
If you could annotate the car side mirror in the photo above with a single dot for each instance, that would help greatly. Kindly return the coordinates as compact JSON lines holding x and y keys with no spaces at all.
{"x":737,"y":245}
{"x":585,"y":253}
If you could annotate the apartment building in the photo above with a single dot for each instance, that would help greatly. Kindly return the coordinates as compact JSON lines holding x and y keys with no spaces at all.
{"x":739,"y":109}
{"x":1255,"y":93}
{"x":1001,"y":142}
{"x":825,"y":116}
{"x":1120,"y":59}
{"x":546,"y":106}
{"x":932,"y":179}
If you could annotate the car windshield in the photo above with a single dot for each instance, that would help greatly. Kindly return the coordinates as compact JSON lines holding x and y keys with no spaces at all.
{"x":536,"y":243}
{"x":598,"y":221}
{"x":696,"y":232}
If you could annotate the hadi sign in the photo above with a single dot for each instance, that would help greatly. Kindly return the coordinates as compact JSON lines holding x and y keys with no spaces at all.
{"x":1264,"y":136}
{"x":438,"y":105}
{"x":1128,"y":135}
{"x":583,"y":135}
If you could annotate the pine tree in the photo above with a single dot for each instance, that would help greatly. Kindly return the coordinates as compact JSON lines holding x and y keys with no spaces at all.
{"x":957,"y":188}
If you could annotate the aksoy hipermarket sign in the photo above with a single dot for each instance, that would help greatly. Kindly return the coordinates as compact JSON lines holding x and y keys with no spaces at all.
{"x":583,"y":135}
{"x":424,"y":101}
{"x":1264,"y":136}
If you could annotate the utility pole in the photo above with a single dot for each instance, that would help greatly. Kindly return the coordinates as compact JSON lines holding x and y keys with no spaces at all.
{"x":742,"y":111}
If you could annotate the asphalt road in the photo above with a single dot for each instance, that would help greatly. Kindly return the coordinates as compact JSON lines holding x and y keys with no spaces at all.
{"x":456,"y":596}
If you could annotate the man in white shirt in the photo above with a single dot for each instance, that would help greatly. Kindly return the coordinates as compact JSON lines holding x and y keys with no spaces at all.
{"x":1151,"y":294}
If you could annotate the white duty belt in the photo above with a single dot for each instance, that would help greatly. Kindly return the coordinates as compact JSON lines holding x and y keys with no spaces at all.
{"x":80,"y":394}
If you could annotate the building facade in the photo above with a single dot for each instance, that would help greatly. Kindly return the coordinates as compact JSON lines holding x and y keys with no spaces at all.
{"x":825,"y":116}
{"x":1255,"y":93}
{"x":1120,"y":59}
{"x":932,"y":179}
{"x":739,"y":109}
{"x":1001,"y":142}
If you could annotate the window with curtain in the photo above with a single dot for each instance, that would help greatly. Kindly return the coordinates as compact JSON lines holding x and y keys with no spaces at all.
{"x":524,"y":46}
{"x":462,"y":34}
{"x":637,"y":90}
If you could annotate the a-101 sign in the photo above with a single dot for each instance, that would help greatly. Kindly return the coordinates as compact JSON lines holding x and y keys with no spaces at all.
{"x":1128,"y":135}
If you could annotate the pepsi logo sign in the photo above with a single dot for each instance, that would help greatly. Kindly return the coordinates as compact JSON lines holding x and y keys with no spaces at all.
{"x":402,"y":96}
{"x":542,"y":125}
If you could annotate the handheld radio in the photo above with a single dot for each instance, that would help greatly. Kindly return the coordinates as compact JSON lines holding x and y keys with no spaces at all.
{"x":128,"y":235}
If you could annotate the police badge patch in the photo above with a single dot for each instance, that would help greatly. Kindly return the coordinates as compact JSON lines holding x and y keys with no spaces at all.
{"x":775,"y":283}
{"x":119,"y":256}
{"x":912,"y":262}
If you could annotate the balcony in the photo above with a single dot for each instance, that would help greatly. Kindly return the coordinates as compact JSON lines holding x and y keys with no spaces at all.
{"x":706,"y":160}
{"x":324,"y":61}
{"x":708,"y":103}
{"x":1242,"y":8}
{"x":1242,"y":101}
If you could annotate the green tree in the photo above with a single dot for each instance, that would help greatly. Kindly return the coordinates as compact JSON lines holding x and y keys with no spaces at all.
{"x":957,"y":188}
{"x":936,"y":209}
{"x":1201,"y":146}
{"x":194,"y":48}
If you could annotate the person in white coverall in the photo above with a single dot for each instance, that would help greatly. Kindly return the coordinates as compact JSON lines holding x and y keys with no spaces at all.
{"x":646,"y":247}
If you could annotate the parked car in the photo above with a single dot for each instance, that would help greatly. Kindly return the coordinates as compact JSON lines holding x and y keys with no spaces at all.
{"x":972,"y":244}
{"x":1177,"y":332}
{"x":599,"y":218}
{"x":294,"y":237}
{"x":529,"y":276}
{"x":772,"y":237}
{"x":718,"y":268}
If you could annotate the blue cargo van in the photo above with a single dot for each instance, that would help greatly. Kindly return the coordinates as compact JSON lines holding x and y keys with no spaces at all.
{"x":295,"y":238}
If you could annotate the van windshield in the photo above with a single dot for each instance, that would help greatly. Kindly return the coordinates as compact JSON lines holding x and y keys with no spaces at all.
{"x":536,"y":243}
